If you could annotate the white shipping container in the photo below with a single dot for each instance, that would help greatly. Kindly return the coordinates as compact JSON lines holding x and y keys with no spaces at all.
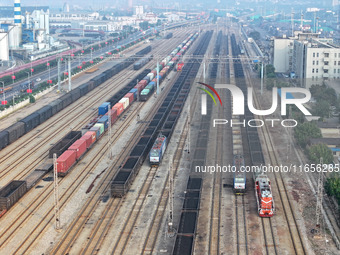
{"x":125,"y":102}
{"x":151,"y":76}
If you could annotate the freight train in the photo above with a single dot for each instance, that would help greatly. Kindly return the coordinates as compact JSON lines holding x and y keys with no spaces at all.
{"x":263,"y":193}
{"x":94,"y":130}
{"x":25,"y":125}
{"x":13,"y":191}
{"x":167,"y":114}
{"x":158,"y":150}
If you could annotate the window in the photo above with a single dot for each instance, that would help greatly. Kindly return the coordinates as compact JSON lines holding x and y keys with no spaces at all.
{"x":335,"y":63}
{"x":338,"y":70}
{"x":325,"y":71}
{"x":317,"y":62}
{"x":338,"y":63}
{"x":317,"y":70}
{"x":335,"y":55}
{"x":334,"y":70}
{"x":312,"y":70}
{"x":326,"y":55}
{"x":313,"y":54}
{"x":313,"y":62}
{"x":317,"y":77}
{"x":317,"y":54}
{"x":312,"y":78}
{"x":326,"y":63}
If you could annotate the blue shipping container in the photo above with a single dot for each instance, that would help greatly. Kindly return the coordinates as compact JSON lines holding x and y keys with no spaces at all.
{"x":103,"y":108}
{"x":105,"y":120}
{"x":147,"y":78}
{"x":134,"y":91}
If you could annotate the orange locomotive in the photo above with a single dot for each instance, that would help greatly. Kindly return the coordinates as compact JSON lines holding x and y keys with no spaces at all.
{"x":264,"y":197}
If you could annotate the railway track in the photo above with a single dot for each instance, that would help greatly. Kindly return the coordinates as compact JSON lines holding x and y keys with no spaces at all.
{"x":41,"y":199}
{"x":215,"y":212}
{"x":99,"y":232}
{"x":24,"y":155}
{"x":241,"y":225}
{"x":285,"y":204}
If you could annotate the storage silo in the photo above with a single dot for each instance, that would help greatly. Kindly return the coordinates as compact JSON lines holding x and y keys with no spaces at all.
{"x":4,"y":49}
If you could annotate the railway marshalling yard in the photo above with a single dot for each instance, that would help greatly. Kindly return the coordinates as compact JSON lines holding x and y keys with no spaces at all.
{"x":205,"y":215}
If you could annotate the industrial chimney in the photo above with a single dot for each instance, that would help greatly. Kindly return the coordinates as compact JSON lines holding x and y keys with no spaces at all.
{"x":17,"y":20}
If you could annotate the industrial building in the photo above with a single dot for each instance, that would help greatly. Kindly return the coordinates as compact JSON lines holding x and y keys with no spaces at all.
{"x":25,"y":32}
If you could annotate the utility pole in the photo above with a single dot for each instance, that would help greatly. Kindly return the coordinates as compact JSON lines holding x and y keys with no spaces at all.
{"x":56,"y":193}
{"x":204,"y":70}
{"x":171,"y":231}
{"x":157,"y":76}
{"x":262,"y":77}
{"x":319,"y":195}
{"x":59,"y":74}
{"x":137,"y":91}
{"x":69,"y":75}
{"x":110,"y":139}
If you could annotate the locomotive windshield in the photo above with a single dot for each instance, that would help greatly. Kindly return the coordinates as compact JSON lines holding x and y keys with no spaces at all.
{"x":154,"y":153}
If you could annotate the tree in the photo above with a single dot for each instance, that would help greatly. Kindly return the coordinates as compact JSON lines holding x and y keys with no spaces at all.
{"x":324,"y":93}
{"x":332,"y":187}
{"x":317,"y":151}
{"x":255,"y":35}
{"x":304,"y":132}
{"x":321,"y":108}
{"x":32,"y":99}
{"x":144,"y":25}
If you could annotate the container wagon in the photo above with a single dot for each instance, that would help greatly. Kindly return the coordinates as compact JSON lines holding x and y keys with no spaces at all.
{"x":11,"y":193}
{"x":157,"y":150}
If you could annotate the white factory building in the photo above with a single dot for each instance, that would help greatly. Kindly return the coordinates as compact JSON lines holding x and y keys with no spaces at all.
{"x":311,"y":58}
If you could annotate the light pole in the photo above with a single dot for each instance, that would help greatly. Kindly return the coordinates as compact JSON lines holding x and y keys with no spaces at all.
{"x":3,"y":91}
{"x":29,"y":82}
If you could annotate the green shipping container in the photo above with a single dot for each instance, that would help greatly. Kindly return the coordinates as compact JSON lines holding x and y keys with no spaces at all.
{"x":101,"y":126}
{"x":145,"y":92}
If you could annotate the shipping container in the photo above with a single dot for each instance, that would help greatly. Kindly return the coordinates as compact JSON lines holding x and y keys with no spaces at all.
{"x":103,"y":108}
{"x":138,"y":87}
{"x":134,"y":92}
{"x":105,"y":121}
{"x":147,"y":78}
{"x":93,"y":136}
{"x":151,"y":75}
{"x":96,"y":130}
{"x":87,"y":139}
{"x":101,"y":127}
{"x":113,"y":115}
{"x":130,"y":97}
{"x":65,"y":162}
{"x":11,"y":193}
{"x":79,"y":147}
{"x":143,"y":83}
{"x":119,"y":107}
{"x":125,"y":102}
